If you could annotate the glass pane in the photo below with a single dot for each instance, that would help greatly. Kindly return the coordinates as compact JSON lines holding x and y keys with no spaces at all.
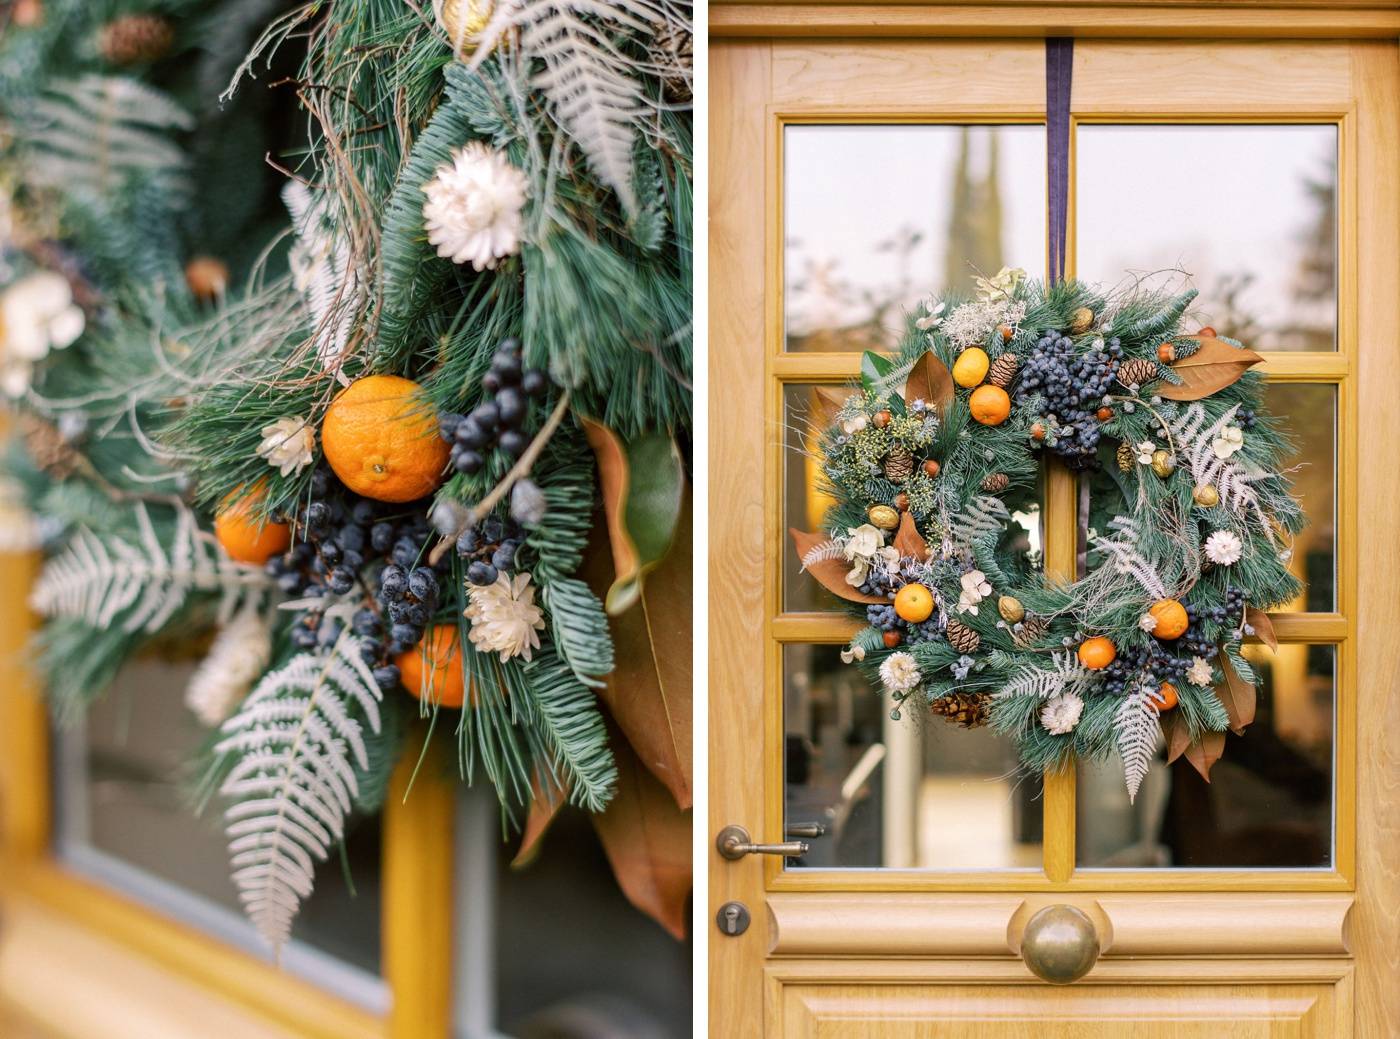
{"x":876,"y":217}
{"x":1249,"y":212}
{"x":805,"y":501}
{"x":1269,"y":799}
{"x":124,"y":789}
{"x":915,"y":793}
{"x":1308,"y":413}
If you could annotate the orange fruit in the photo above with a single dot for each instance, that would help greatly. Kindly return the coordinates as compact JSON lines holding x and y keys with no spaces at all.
{"x":246,"y":536}
{"x":1097,"y":653}
{"x":1171,"y":619}
{"x":1165,"y":698}
{"x":913,"y":603}
{"x":438,"y":659}
{"x":381,"y":437}
{"x":989,"y":405}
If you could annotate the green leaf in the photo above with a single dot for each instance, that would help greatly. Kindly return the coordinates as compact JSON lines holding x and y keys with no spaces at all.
{"x":874,"y":369}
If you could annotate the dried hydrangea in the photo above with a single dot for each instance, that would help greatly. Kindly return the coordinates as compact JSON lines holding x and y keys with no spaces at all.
{"x":900,"y":672}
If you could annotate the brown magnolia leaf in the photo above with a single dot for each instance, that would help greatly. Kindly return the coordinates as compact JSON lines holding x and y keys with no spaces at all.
{"x":829,"y":400}
{"x":831,"y":573}
{"x":647,"y":841}
{"x":1206,"y":752}
{"x":930,"y":381}
{"x":548,"y":798}
{"x":1176,"y":733}
{"x":1262,"y":625}
{"x":909,"y":541}
{"x":649,"y":691}
{"x":1237,"y":695}
{"x":1209,"y":370}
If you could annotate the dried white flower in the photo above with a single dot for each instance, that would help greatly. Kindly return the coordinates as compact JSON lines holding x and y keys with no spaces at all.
{"x":975,"y":588}
{"x":37,"y":315}
{"x":504,"y":617}
{"x":473,"y":212}
{"x":852,"y":653}
{"x":1199,"y":673}
{"x":1224,"y":547}
{"x":933,"y":314}
{"x":288,"y":445}
{"x":527,"y":503}
{"x":238,"y":656}
{"x":863,"y":545}
{"x":962,"y":667}
{"x":899,"y":672}
{"x":1147,"y":623}
{"x":854,"y":424}
{"x":1230,"y":440}
{"x":1144,"y":452}
{"x":1061,"y":713}
{"x":1001,"y":286}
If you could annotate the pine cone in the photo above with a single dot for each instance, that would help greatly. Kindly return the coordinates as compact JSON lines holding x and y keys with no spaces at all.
{"x":961,"y":637}
{"x":996,"y":483}
{"x":673,"y":52}
{"x":966,"y":709}
{"x":48,"y":449}
{"x":1138,"y":371}
{"x":135,"y":39}
{"x":1127,"y":457}
{"x":899,"y":464}
{"x":1030,"y":632}
{"x":1003,"y":370}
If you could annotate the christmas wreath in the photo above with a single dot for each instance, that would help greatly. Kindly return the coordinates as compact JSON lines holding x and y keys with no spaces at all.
{"x":412,"y":453}
{"x":934,"y":462}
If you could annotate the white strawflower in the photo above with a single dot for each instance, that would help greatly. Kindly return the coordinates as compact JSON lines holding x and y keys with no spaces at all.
{"x":237,"y":658}
{"x":37,"y":314}
{"x":1199,"y":672}
{"x":1061,"y":713}
{"x":504,"y":617}
{"x":288,"y":445}
{"x":899,"y":672}
{"x":1224,"y":547}
{"x":1147,"y":623}
{"x":473,"y":212}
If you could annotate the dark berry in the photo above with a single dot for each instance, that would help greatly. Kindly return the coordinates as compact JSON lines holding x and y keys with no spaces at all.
{"x":318,"y":514}
{"x":473,"y":434}
{"x":393,"y":582}
{"x":467,"y":541}
{"x":418,"y":614}
{"x":469,"y":462}
{"x":341,"y":580}
{"x":447,"y":424}
{"x":352,"y":560}
{"x":504,"y":557}
{"x":422,"y":584}
{"x":303,"y":637}
{"x":514,"y":443}
{"x":330,"y":552}
{"x":534,"y":382}
{"x":480,"y":573}
{"x":490,"y":382}
{"x":320,"y":483}
{"x":405,"y":633}
{"x":405,"y":552}
{"x":493,"y":529}
{"x":366,"y":622}
{"x":510,"y":402}
{"x":387,"y":677}
{"x":486,"y":415}
{"x":506,"y":367}
{"x":381,"y":537}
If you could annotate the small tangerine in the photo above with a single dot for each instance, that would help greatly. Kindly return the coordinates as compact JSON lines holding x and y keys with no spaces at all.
{"x":441,"y":651}
{"x":913,"y":603}
{"x":989,"y":405}
{"x":1171,"y":619}
{"x":1097,"y":653}
{"x":380,"y":436}
{"x":245,"y":536}
{"x":1104,"y":414}
{"x":1165,"y":698}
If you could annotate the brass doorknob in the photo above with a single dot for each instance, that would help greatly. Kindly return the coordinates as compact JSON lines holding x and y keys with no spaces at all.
{"x":733,"y":843}
{"x":1060,"y":944}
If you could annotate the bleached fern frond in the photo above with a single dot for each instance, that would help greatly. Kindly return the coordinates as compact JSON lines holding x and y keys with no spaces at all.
{"x":1064,"y":675}
{"x":1138,"y":727}
{"x":822,"y":553}
{"x":100,"y":580}
{"x":1234,"y":481}
{"x":591,"y":83}
{"x":1121,"y":549}
{"x":322,"y":272}
{"x":984,"y":516}
{"x":296,"y":744}
{"x":95,"y":132}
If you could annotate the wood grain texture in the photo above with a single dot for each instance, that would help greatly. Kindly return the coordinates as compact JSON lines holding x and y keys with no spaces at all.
{"x":739,"y":93}
{"x":24,"y":744}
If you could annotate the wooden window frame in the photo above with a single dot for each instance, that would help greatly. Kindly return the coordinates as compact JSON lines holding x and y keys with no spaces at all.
{"x":1060,"y":871}
{"x":415,"y":924}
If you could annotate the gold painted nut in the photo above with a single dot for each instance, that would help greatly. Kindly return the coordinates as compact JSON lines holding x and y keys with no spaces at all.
{"x":1081,"y":321}
{"x":1205,"y":495}
{"x":1011,"y":609}
{"x":1163,"y":464}
{"x":883,"y":516}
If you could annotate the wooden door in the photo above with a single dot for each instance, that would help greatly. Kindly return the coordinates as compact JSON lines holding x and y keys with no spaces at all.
{"x":1278,"y":923}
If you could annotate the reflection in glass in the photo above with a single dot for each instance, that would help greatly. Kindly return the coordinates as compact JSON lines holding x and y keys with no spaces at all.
{"x":1249,"y":212}
{"x":913,"y":793}
{"x":1308,"y":413}
{"x":1269,"y":799}
{"x":876,"y":217}
{"x":123,"y":787}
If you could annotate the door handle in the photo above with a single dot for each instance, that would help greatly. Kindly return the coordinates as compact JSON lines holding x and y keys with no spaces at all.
{"x":1060,"y":944}
{"x":733,"y":843}
{"x":805,"y":830}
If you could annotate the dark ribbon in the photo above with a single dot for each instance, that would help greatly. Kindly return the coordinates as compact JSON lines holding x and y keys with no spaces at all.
{"x":1059,"y":71}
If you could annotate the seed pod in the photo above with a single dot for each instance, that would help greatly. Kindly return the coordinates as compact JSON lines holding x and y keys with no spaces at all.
{"x":1003,"y":370}
{"x":995,"y":483}
{"x":1138,"y":371}
{"x":1010,"y":609}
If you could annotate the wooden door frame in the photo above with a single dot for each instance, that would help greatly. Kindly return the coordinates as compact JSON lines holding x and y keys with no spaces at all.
{"x":821,"y":924}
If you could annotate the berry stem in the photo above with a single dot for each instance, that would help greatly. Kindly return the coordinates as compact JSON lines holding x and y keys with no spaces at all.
{"x":520,"y":469}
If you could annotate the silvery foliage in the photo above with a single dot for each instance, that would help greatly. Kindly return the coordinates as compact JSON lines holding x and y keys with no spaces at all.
{"x":1137,"y":726}
{"x":322,"y":271}
{"x":1064,"y":675}
{"x":1233,"y":480}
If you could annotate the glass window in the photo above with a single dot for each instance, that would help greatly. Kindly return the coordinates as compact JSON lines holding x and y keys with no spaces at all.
{"x":876,"y":217}
{"x":1269,"y":799}
{"x":1249,"y":212}
{"x":124,"y":791}
{"x":1308,"y":413}
{"x":918,"y":793}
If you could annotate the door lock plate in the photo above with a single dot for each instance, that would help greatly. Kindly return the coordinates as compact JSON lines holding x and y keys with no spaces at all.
{"x":733,"y":919}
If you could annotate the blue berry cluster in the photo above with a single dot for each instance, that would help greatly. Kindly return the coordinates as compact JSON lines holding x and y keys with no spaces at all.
{"x":1071,"y":386}
{"x":882,"y":616}
{"x":1246,"y":418}
{"x":1151,"y":663}
{"x":491,"y":548}
{"x":498,"y":421}
{"x":408,"y":598}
